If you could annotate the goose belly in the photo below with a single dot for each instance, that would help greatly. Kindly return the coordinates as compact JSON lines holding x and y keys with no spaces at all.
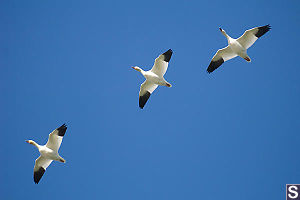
{"x":49,"y":153}
{"x":157,"y":80}
{"x":151,"y":76}
{"x":237,"y":48}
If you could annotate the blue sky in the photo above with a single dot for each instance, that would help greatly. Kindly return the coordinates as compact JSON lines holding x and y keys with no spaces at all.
{"x":232,"y":134}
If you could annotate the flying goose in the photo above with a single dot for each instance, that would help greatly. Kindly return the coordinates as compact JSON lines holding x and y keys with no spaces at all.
{"x":154,"y":77}
{"x":237,"y":47}
{"x":49,"y":152}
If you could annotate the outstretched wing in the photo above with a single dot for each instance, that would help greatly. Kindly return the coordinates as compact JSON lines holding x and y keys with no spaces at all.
{"x":41,"y":164}
{"x":251,"y":35}
{"x":220,"y":57}
{"x":145,"y":91}
{"x":161,"y":63}
{"x":55,"y":138}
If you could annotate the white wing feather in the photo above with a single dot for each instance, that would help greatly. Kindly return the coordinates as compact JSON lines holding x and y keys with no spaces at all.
{"x":55,"y":138}
{"x":54,"y":141}
{"x":161,"y":63}
{"x":251,"y":35}
{"x":42,"y":162}
{"x":248,"y":38}
{"x":147,"y":86}
{"x":225,"y":53}
{"x":220,"y":57}
{"x":160,"y":66}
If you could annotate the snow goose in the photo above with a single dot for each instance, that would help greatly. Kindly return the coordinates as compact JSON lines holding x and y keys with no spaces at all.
{"x":154,"y":77}
{"x":237,"y":47}
{"x":49,"y":152}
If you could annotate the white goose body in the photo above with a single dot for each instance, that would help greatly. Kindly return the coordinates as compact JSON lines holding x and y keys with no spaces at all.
{"x":49,"y":152}
{"x":237,"y":47}
{"x":154,"y":77}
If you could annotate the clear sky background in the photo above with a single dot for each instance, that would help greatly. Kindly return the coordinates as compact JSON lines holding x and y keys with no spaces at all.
{"x":233,"y":134}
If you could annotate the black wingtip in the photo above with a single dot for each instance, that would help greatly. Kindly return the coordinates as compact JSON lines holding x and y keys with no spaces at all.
{"x":143,"y":99}
{"x":38,"y":175}
{"x":168,"y":55}
{"x":262,"y":30}
{"x":62,"y":130}
{"x":214,"y":65}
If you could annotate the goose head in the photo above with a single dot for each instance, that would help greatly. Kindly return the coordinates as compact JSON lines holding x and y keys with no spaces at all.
{"x":29,"y":141}
{"x":222,"y":30}
{"x":224,"y":33}
{"x":137,"y":69}
{"x":32,"y":142}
